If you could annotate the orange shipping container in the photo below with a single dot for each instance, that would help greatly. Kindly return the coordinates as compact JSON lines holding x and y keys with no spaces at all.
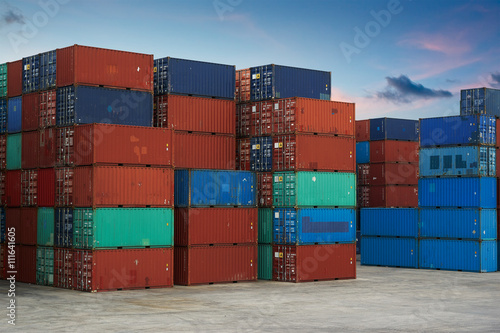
{"x":363,"y":130}
{"x":243,"y":85}
{"x":393,"y":151}
{"x":243,"y":119}
{"x":243,"y":154}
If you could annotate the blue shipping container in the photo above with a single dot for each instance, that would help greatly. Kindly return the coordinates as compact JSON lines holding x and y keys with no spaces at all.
{"x":14,"y":114}
{"x":458,"y":130}
{"x":2,"y":225}
{"x":393,"y":129}
{"x":389,"y":222}
{"x":261,"y":153}
{"x":389,"y":251}
{"x":458,"y":255}
{"x":275,"y":81}
{"x":205,"y":188}
{"x":363,"y":152}
{"x":465,"y":223}
{"x":63,"y":228}
{"x":87,"y":105}
{"x":31,"y":74}
{"x":458,"y":161}
{"x":480,"y":101}
{"x":48,"y":70}
{"x":314,"y":226}
{"x":3,"y":115}
{"x":196,"y":78}
{"x":358,"y":242}
{"x":465,"y":192}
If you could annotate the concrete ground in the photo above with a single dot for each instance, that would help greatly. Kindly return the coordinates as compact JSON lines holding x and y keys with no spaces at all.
{"x":380,"y":300}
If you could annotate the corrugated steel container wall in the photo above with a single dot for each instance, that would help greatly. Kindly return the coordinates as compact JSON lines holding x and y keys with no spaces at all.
{"x":264,"y":189}
{"x":389,"y":251}
{"x":47,"y":148}
{"x":64,"y":186}
{"x":467,"y":192}
{"x":65,"y":154}
{"x":26,"y":264}
{"x":244,"y":119}
{"x":29,"y":188}
{"x":106,"y":270}
{"x":458,"y":255}
{"x":363,"y":152}
{"x":388,"y":174}
{"x":196,"y":114}
{"x":3,"y":261}
{"x":3,"y":197}
{"x":204,"y":151}
{"x":314,"y":226}
{"x":458,"y":161}
{"x":243,"y":154}
{"x":310,"y":189}
{"x":45,"y":266}
{"x":14,"y":78}
{"x":458,"y":130}
{"x":45,"y":227}
{"x":389,"y":222}
{"x":24,"y":220}
{"x":14,"y":114}
{"x":13,"y":188}
{"x":265,"y":228}
{"x":3,"y":152}
{"x":275,"y":81}
{"x":475,"y":224}
{"x":48,"y":70}
{"x":14,"y":151}
{"x":480,"y":101}
{"x":31,"y":74}
{"x":404,"y":196}
{"x":242,"y":85}
{"x":393,"y":151}
{"x":2,"y":226}
{"x":63,"y":268}
{"x":79,"y":64}
{"x":261,"y":118}
{"x":63,"y":227}
{"x":3,"y":80}
{"x":3,"y":115}
{"x":30,"y":111}
{"x":358,"y":242}
{"x":393,"y":129}
{"x":30,"y":150}
{"x":48,"y":108}
{"x":261,"y":153}
{"x":110,"y":228}
{"x":314,"y":152}
{"x":13,"y":220}
{"x":214,"y":264}
{"x":190,"y":77}
{"x":114,"y":186}
{"x":303,"y":263}
{"x":203,"y":188}
{"x":363,"y":130}
{"x":46,"y":187}
{"x":265,"y":262}
{"x":207,"y":226}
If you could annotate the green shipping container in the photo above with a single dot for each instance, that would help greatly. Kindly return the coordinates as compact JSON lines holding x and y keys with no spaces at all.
{"x":265,"y":227}
{"x":3,"y":80}
{"x":45,"y":266}
{"x":111,"y":228}
{"x":14,"y":151}
{"x":314,"y":189}
{"x":265,"y":263}
{"x":45,"y":227}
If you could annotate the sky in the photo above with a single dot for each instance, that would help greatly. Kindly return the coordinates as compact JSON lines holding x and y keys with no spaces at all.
{"x":393,"y":58}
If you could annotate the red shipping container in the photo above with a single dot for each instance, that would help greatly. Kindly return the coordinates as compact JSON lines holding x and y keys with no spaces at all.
{"x":3,"y":152}
{"x":64,"y":187}
{"x":195,"y":114}
{"x":243,"y":85}
{"x":265,"y":189}
{"x":243,"y":119}
{"x":3,"y":198}
{"x":30,"y":150}
{"x":13,"y":220}
{"x":303,"y":263}
{"x":261,"y":119}
{"x":214,"y":264}
{"x":47,"y":148}
{"x":105,"y":270}
{"x":388,"y":174}
{"x":26,"y":264}
{"x":243,"y":154}
{"x":63,"y":268}
{"x":402,"y":196}
{"x":30,"y":111}
{"x":14,"y":78}
{"x":46,"y":187}
{"x":47,"y":108}
{"x":314,"y":152}
{"x":393,"y":151}
{"x":207,"y":226}
{"x":497,"y":164}
{"x":3,"y":261}
{"x":24,"y":220}
{"x":121,"y":186}
{"x":102,"y":67}
{"x":64,"y":146}
{"x":204,"y":151}
{"x":29,"y":188}
{"x":13,"y":188}
{"x":362,"y":130}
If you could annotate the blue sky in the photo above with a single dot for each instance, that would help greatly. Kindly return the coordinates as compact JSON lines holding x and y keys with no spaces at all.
{"x":403,"y":58}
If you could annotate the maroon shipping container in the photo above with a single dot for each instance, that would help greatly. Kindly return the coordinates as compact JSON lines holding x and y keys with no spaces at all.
{"x":303,"y":263}
{"x":243,"y":154}
{"x":46,"y":187}
{"x":13,"y":188}
{"x":105,"y":270}
{"x":47,"y":108}
{"x":13,"y":220}
{"x":26,"y":263}
{"x":261,"y":119}
{"x":304,"y":152}
{"x":206,"y":226}
{"x":24,"y":220}
{"x":243,"y":119}
{"x":3,"y":261}
{"x":102,"y":67}
{"x":30,"y":111}
{"x":63,"y":268}
{"x":388,"y":174}
{"x":243,"y":85}
{"x":393,"y":151}
{"x":204,"y":151}
{"x":14,"y":78}
{"x":30,"y":150}
{"x":64,"y":186}
{"x":64,"y":146}
{"x":3,"y":152}
{"x":265,"y":189}
{"x":29,"y":188}
{"x":214,"y":264}
{"x":3,"y":198}
{"x":122,"y":186}
{"x":403,"y":196}
{"x":363,"y":130}
{"x":47,"y":148}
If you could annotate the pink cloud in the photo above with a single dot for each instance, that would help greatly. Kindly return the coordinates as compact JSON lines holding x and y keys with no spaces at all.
{"x":438,"y":43}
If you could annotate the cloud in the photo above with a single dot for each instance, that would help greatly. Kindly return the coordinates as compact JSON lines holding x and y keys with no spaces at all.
{"x":403,"y":90}
{"x":10,"y":14}
{"x":452,"y":81}
{"x":495,"y":77}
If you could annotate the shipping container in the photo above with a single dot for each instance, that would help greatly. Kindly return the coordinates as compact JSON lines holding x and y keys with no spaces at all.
{"x":3,"y":196}
{"x":111,"y":228}
{"x":196,"y":114}
{"x":13,"y":223}
{"x":358,"y":242}
{"x":14,"y":78}
{"x":243,"y":85}
{"x":402,"y":196}
{"x":458,"y":161}
{"x":206,"y":188}
{"x":265,"y":228}
{"x":30,"y":111}
{"x":26,"y":234}
{"x":363,"y":152}
{"x":31,"y":74}
{"x":480,"y":101}
{"x":314,"y":226}
{"x":458,"y":130}
{"x":388,"y":174}
{"x":314,"y":152}
{"x":48,"y":67}
{"x":458,"y":255}
{"x":45,"y":266}
{"x":12,"y":188}
{"x":303,"y":263}
{"x":243,"y":154}
{"x":47,"y":148}
{"x":389,"y":222}
{"x":458,"y":192}
{"x":14,"y":151}
{"x":363,"y":130}
{"x":3,"y":80}
{"x":45,"y":227}
{"x":264,"y":189}
{"x":393,"y":151}
{"x":63,"y":268}
{"x":3,"y":152}
{"x":193,"y":78}
{"x":30,"y":149}
{"x":2,"y":226}
{"x":244,"y":119}
{"x":3,"y":261}
{"x":63,"y":228}
{"x":314,"y":189}
{"x":48,"y":108}
{"x":208,"y":226}
{"x":261,"y":153}
{"x":38,"y":188}
{"x":204,"y":151}
{"x":121,"y":186}
{"x":85,"y":65}
{"x":275,"y":81}
{"x":14,"y":114}
{"x":265,"y":262}
{"x":215,"y":264}
{"x":389,"y":251}
{"x":3,"y":115}
{"x":393,"y":129}
{"x":26,"y":264}
{"x":64,"y":186}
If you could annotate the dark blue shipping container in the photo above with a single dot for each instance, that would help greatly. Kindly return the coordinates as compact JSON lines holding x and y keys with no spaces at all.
{"x":458,"y":255}
{"x":393,"y":129}
{"x":205,"y":188}
{"x":465,"y":192}
{"x":363,"y":152}
{"x":87,"y":105}
{"x":314,"y":226}
{"x":14,"y":114}
{"x":480,"y":101}
{"x":458,"y":130}
{"x":389,"y":251}
{"x":498,"y":254}
{"x":261,"y":153}
{"x":2,"y":225}
{"x":275,"y":81}
{"x":196,"y":78}
{"x":358,"y":242}
{"x":63,"y":228}
{"x":389,"y":222}
{"x":48,"y":70}
{"x":31,"y":74}
{"x":3,"y":115}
